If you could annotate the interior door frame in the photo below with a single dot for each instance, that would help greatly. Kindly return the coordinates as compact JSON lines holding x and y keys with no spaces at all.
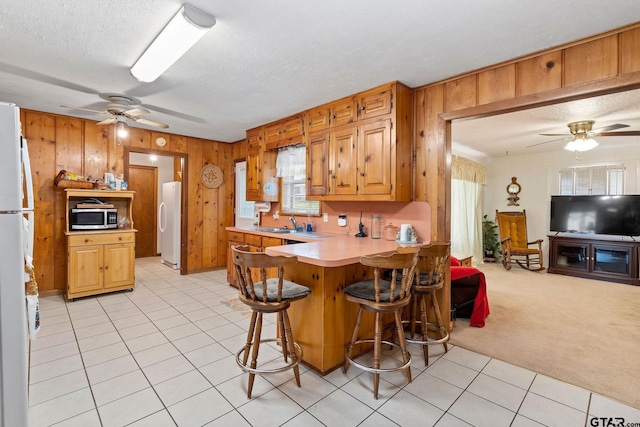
{"x":184,"y":157}
{"x":555,"y":96}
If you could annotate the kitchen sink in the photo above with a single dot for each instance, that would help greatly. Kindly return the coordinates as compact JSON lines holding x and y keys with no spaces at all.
{"x":289,"y":231}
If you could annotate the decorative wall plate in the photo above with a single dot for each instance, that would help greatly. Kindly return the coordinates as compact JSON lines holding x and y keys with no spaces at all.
{"x":211,"y":176}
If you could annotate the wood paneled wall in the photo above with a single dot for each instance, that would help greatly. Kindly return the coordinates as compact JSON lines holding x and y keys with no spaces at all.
{"x":80,"y":146}
{"x":606,"y":63}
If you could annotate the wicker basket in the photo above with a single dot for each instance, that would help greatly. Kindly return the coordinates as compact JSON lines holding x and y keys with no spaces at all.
{"x":59,"y":181}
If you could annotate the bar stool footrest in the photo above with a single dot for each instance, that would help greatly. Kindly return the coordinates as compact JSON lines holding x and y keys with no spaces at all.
{"x":292,"y":364}
{"x":427,"y":342}
{"x":377,"y":370}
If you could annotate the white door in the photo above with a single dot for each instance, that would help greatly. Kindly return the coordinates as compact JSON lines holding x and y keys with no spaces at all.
{"x":244,"y":211}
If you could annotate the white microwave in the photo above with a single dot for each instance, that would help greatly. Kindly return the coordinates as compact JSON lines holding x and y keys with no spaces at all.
{"x":93,"y":219}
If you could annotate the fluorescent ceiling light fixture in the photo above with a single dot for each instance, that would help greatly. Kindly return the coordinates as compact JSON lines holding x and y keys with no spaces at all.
{"x":581,"y":143}
{"x":178,"y":36}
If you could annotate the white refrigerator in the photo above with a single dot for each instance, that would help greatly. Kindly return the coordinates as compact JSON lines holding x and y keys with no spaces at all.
{"x":16,"y":229}
{"x":169,"y":224}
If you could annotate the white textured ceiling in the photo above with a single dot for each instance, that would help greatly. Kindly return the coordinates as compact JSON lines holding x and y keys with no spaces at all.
{"x":264,"y":60}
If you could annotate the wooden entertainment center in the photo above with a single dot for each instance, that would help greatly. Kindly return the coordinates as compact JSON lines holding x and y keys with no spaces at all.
{"x":593,"y":258}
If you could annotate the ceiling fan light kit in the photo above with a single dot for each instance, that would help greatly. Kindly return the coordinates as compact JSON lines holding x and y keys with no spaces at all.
{"x":183,"y":31}
{"x":581,"y":143}
{"x":121,"y":127}
{"x":582,"y":134}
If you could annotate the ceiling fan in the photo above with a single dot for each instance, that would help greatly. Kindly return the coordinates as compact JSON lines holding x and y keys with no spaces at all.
{"x":582,"y":134}
{"x":121,"y":108}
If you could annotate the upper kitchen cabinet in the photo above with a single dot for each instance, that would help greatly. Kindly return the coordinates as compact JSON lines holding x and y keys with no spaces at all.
{"x":375,"y":102}
{"x":289,"y":131}
{"x":255,"y":140}
{"x":261,"y":165}
{"x":368,"y":157}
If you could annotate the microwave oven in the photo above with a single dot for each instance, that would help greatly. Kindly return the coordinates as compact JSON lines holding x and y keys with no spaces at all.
{"x":93,"y":219}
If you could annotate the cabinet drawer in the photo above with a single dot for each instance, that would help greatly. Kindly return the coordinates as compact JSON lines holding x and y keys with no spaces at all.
{"x":100,"y":239}
{"x":235,"y":237}
{"x":271,"y":241}
{"x":253,"y":240}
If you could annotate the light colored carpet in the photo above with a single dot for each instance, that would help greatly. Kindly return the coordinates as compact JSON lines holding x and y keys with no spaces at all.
{"x":581,"y":331}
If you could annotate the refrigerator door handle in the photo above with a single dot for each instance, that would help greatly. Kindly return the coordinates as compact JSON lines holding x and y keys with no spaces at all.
{"x":162,"y":223}
{"x":28,"y":180}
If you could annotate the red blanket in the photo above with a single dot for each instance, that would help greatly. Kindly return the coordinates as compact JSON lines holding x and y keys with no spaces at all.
{"x":481,"y":303}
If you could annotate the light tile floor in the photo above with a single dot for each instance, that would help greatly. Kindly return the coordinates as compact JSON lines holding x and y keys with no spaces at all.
{"x":163,"y":355}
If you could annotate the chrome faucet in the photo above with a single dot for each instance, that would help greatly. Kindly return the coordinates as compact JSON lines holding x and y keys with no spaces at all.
{"x":293,"y":221}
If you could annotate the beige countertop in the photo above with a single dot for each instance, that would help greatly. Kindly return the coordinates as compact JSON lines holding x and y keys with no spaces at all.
{"x":330,"y":250}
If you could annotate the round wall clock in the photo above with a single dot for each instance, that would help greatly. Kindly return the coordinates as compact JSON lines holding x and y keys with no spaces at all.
{"x":211,"y":176}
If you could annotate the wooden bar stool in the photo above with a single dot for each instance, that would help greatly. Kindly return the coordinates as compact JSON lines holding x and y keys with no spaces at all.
{"x":430,"y":275}
{"x":272,"y":295}
{"x":381,"y":296}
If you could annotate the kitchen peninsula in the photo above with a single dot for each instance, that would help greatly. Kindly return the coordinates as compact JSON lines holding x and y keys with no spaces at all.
{"x":322,"y":323}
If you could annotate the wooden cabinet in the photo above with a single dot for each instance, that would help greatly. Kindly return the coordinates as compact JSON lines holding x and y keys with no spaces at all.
{"x":368,"y":157}
{"x":289,"y":131}
{"x":614,"y":261}
{"x":358,"y":147}
{"x":100,"y":261}
{"x":254,"y":164}
{"x":256,"y":243}
{"x":261,"y":165}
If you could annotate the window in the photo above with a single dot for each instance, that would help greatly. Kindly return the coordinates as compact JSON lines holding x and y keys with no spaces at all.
{"x":592,"y":180}
{"x":291,"y":167}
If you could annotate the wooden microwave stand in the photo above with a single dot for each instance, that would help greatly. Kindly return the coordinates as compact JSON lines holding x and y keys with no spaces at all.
{"x":100,"y":261}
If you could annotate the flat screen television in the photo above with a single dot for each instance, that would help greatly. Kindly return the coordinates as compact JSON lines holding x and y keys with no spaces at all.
{"x":612,"y":215}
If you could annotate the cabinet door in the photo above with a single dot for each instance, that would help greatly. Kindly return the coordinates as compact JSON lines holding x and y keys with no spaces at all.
{"x":317,"y":119}
{"x":343,"y":112}
{"x":293,"y":128}
{"x":254,"y":175}
{"x":342,"y":162}
{"x":317,"y":164}
{"x":374,"y":158}
{"x":572,"y":256}
{"x":119,"y":265}
{"x":272,"y":133}
{"x":85,"y":268}
{"x":612,"y":259}
{"x":374,"y":103}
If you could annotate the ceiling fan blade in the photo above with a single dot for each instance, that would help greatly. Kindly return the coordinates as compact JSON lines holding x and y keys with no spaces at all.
{"x":136,"y":111}
{"x":553,"y":134}
{"x":84,"y":109}
{"x":625,"y":133}
{"x":546,"y":142}
{"x":149,"y":122}
{"x":608,"y":128}
{"x":107,"y":121}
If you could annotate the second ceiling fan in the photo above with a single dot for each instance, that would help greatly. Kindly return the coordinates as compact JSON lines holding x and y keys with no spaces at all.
{"x":582,"y":134}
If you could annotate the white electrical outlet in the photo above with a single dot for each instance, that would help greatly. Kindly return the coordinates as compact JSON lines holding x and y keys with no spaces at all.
{"x":325,"y":217}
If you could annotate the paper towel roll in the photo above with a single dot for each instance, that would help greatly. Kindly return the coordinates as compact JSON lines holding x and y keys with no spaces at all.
{"x":405,"y":232}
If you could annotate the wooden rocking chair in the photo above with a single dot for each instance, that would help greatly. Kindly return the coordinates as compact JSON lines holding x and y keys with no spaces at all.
{"x":515,"y":245}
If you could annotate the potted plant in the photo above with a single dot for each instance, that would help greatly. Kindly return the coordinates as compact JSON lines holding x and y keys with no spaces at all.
{"x":490,"y":240}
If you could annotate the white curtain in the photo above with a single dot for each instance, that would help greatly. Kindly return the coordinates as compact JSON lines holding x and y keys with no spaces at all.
{"x":291,"y":162}
{"x":467,"y":179}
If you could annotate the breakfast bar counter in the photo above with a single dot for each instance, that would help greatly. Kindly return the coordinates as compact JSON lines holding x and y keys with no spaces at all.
{"x":323,"y":322}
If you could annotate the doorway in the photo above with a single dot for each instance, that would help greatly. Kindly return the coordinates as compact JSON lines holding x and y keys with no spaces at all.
{"x":169,"y":167}
{"x":244,"y":210}
{"x":144,"y":181}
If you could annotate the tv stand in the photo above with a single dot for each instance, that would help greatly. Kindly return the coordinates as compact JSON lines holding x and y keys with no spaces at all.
{"x":593,"y":258}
